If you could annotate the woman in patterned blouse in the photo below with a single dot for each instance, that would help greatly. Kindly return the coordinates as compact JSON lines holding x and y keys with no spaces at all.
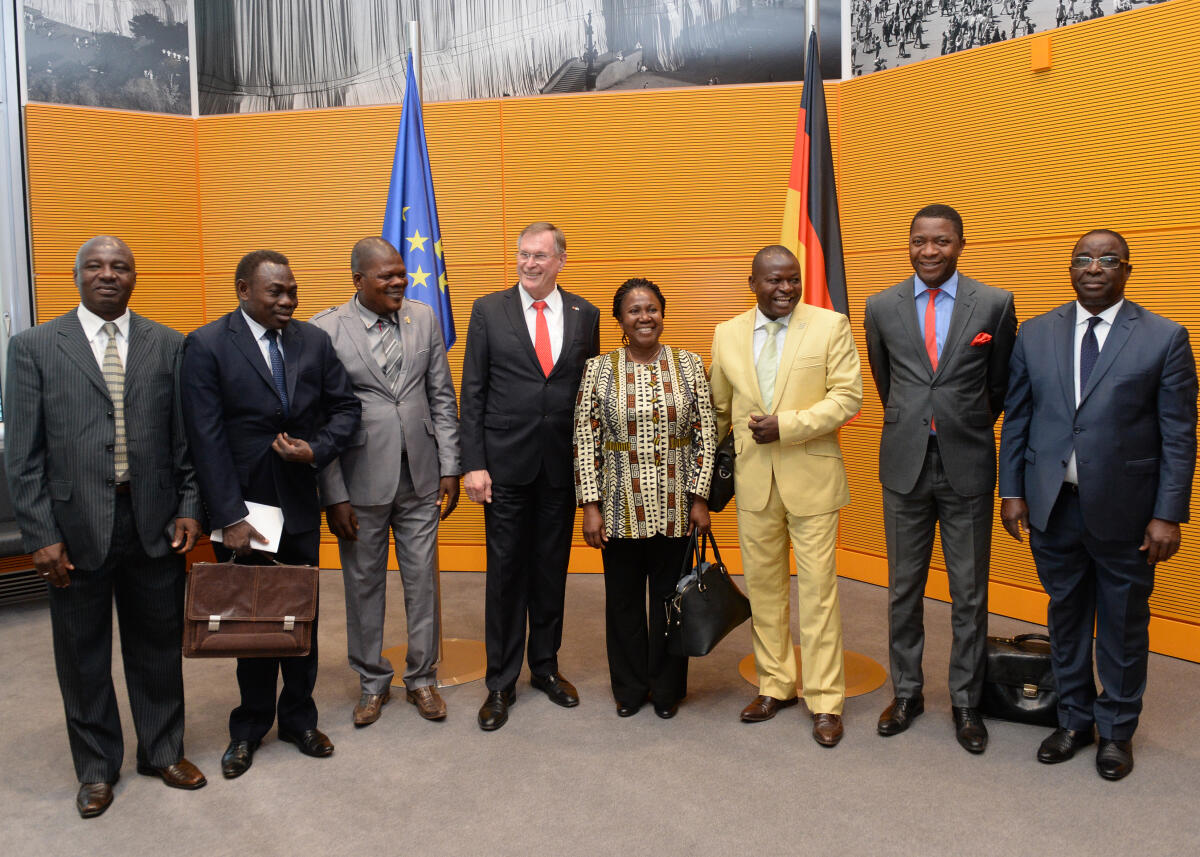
{"x":645,"y":438}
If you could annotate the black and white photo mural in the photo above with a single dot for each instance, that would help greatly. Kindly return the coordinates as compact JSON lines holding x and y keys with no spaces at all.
{"x":127,"y":54}
{"x":889,"y":33}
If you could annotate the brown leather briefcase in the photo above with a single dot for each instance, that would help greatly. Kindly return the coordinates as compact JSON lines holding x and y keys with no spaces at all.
{"x":249,"y":611}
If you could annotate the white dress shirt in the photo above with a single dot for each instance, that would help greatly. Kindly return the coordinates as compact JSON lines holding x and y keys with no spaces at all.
{"x":93,"y":329}
{"x":258,"y":331}
{"x":760,"y":333}
{"x":1107,"y":317}
{"x":554,"y":318}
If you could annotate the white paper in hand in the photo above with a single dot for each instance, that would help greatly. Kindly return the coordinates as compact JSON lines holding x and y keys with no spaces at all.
{"x":268,"y":520}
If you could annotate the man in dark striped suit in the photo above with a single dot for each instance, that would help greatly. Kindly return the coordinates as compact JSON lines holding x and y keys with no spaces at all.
{"x":105,"y":496}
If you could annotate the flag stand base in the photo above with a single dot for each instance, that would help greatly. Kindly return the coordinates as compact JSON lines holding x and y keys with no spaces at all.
{"x":462,"y":661}
{"x":863,"y":675}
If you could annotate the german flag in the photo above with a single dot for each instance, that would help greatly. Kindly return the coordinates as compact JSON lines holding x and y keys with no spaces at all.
{"x":810,"y":215}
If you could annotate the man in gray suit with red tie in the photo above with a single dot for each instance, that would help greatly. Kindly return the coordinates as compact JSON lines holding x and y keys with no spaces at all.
{"x":1096,"y":461}
{"x":394,"y":475}
{"x":938,"y":345}
{"x":106,"y":499}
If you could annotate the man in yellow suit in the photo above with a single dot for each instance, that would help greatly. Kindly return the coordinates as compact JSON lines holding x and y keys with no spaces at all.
{"x":786,"y":376}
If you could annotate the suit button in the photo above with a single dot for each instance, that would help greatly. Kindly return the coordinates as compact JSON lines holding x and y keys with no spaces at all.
{"x":110,"y":481}
{"x":109,"y":447}
{"x":110,"y":413}
{"x":924,"y":422}
{"x":933,"y":386}
{"x":1078,"y":429}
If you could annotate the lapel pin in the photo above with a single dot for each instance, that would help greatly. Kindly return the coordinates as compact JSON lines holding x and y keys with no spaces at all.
{"x":407,"y":320}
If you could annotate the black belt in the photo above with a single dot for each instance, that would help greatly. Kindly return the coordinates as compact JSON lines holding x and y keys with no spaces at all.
{"x":121,"y":487}
{"x":1069,"y":488}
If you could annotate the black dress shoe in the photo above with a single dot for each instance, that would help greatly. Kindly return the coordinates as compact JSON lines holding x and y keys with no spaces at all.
{"x":900,"y":714}
{"x":666,"y":712}
{"x":312,"y":742}
{"x":969,"y":729}
{"x":494,"y":712}
{"x":1061,"y":744}
{"x":1114,"y":759}
{"x":627,"y":710}
{"x":237,"y":758}
{"x":93,"y":799}
{"x":560,"y":691}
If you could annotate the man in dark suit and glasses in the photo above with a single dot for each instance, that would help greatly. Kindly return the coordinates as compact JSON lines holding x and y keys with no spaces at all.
{"x":525,"y":354}
{"x":106,"y":499}
{"x":1097,"y":454}
{"x":267,"y":404}
{"x":938,"y":344}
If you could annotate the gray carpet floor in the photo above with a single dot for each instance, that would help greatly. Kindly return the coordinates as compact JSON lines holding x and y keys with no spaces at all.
{"x":585,"y":782}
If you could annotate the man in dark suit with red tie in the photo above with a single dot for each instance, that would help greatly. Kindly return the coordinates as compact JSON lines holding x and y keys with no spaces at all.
{"x":525,"y":354}
{"x":267,"y":404}
{"x":1097,"y":455}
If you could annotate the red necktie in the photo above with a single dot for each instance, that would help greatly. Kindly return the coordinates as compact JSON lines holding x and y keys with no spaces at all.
{"x":541,"y":339}
{"x":931,"y":328}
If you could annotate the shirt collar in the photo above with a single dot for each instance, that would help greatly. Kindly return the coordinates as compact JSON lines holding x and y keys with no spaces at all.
{"x":760,"y":320}
{"x":369,"y":317}
{"x":256,"y":329}
{"x":553,"y":300}
{"x":950,"y":287}
{"x":93,"y":324}
{"x":1108,"y":316}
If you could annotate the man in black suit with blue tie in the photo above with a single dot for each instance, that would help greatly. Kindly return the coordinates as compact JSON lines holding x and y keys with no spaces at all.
{"x":106,"y":499}
{"x":267,"y":404}
{"x":1096,"y":460}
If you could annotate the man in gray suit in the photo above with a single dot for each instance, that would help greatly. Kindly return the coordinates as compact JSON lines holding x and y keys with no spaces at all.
{"x":939,"y":344}
{"x":107,"y":502}
{"x":398,"y":470}
{"x":1096,"y":464}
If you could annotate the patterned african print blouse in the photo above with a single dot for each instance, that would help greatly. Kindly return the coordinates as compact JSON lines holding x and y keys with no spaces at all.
{"x":645,"y":438}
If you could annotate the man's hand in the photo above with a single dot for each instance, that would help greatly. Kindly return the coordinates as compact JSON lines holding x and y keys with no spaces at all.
{"x":343,"y":523}
{"x":1161,"y":541}
{"x":764,"y":428}
{"x":53,"y":564}
{"x":448,"y":493}
{"x":1014,"y":514}
{"x":593,"y":526}
{"x":479,"y":486}
{"x":238,"y":537}
{"x":292,"y":449}
{"x":187,"y":530}
{"x":698,"y":520}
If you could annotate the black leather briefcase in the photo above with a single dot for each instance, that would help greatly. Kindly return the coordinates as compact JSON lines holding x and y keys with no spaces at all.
{"x":1019,"y":683}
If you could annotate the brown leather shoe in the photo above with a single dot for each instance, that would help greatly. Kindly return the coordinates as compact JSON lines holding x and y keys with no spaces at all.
{"x":827,"y":729}
{"x":93,"y":799}
{"x":369,"y":707}
{"x":765,"y":707}
{"x":182,"y":775}
{"x":428,"y":701}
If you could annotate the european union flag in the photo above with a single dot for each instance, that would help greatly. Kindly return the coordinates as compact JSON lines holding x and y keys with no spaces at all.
{"x":410,"y":223}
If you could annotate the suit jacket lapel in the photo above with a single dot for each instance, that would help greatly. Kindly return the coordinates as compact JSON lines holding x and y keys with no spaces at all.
{"x":293,"y":348}
{"x":409,"y":334}
{"x":513,"y":308}
{"x":570,"y":310}
{"x":797,"y":327}
{"x":72,"y":341}
{"x":907,"y":311}
{"x":1122,"y":328}
{"x":744,"y":332}
{"x":1064,"y":345}
{"x":351,"y":321}
{"x":243,"y":340}
{"x":960,"y":317}
{"x":137,"y":355}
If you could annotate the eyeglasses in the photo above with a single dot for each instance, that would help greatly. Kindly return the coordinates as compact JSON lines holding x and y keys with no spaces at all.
{"x":1107,"y":262}
{"x":533,"y":257}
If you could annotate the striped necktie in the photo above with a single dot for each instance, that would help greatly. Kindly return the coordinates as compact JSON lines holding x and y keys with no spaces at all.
{"x":114,"y":378}
{"x":387,"y":353}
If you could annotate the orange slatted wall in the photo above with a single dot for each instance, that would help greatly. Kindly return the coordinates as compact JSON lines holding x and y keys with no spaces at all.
{"x":682,"y":186}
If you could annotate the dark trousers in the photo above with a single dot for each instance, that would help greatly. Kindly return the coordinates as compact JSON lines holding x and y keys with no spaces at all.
{"x":149,"y":598}
{"x":258,"y":678}
{"x":528,"y":529}
{"x":1094,"y":583}
{"x":638,"y":662}
{"x":966,"y":524}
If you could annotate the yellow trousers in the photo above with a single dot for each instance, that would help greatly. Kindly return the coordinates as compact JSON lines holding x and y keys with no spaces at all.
{"x":764,"y":539}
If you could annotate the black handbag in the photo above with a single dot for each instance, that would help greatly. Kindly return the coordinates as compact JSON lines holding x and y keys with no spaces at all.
{"x":720,"y":490}
{"x":1019,"y":683}
{"x":706,"y":605}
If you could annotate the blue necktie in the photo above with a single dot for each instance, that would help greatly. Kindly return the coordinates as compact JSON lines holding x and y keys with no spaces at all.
{"x":1089,"y":352}
{"x":277,"y":369}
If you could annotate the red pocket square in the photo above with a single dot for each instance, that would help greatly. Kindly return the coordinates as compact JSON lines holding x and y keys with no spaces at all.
{"x":982,"y":339}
